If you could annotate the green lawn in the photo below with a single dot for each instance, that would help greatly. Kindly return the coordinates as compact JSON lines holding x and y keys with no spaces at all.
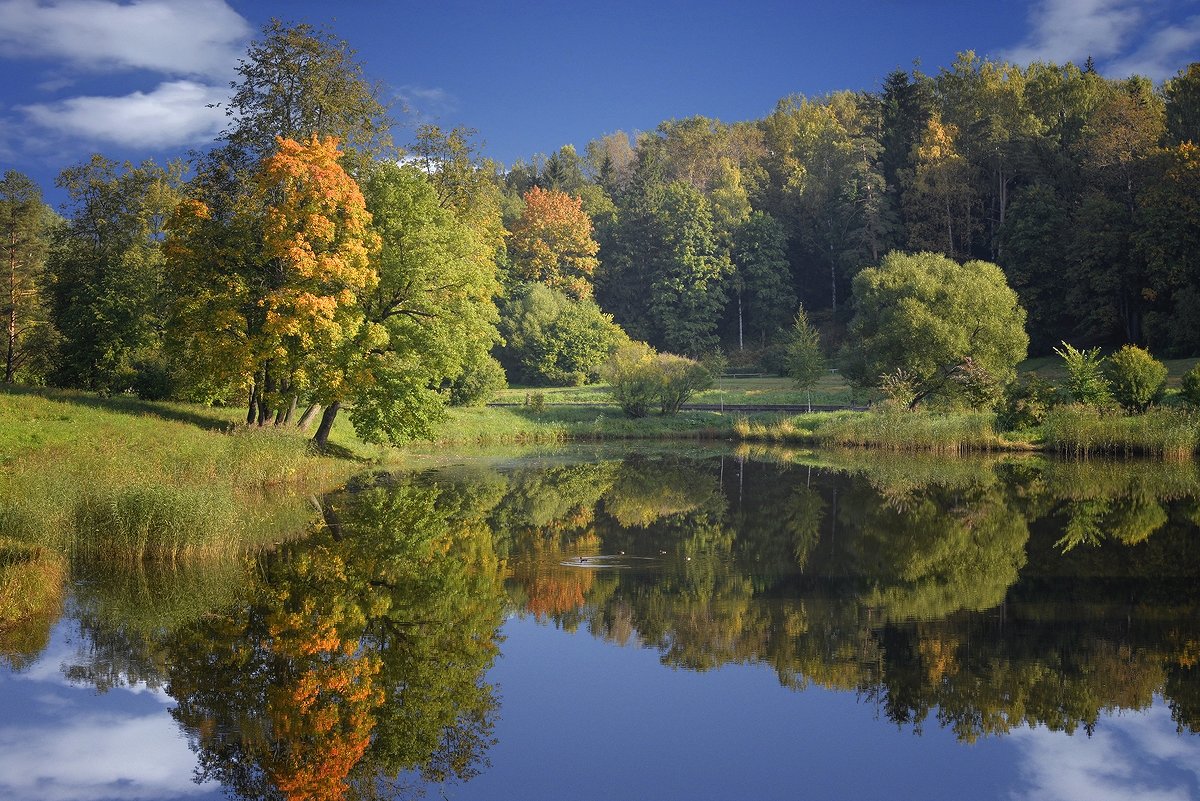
{"x":831,"y":389}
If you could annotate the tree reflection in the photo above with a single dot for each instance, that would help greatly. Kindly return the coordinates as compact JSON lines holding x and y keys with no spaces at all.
{"x":900,"y":580}
{"x":360,"y":657}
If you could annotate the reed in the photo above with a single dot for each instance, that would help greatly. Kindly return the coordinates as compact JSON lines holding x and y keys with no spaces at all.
{"x":895,"y":429}
{"x":1082,"y":431}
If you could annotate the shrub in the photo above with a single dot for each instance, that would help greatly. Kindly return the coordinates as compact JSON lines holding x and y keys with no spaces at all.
{"x":1025,"y":403}
{"x":679,"y":379}
{"x":1086,"y":382}
{"x":1137,"y":378}
{"x":1190,"y":386}
{"x":641,"y":378}
{"x":480,"y":382}
{"x":634,"y":379}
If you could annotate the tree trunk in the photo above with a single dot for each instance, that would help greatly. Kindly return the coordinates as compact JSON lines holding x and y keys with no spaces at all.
{"x":289,"y":413}
{"x":252,"y":408}
{"x":10,"y":356}
{"x":321,"y":438}
{"x":306,"y":419}
{"x":268,"y":387}
{"x":740,"y":345}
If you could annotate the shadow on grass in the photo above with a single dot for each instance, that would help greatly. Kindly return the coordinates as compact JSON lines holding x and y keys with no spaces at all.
{"x":122,"y":404}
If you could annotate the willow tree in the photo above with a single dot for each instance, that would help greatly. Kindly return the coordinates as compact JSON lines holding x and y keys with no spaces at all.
{"x":943,"y":323}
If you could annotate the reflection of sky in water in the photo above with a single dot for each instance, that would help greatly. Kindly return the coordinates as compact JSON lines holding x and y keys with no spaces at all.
{"x":60,"y":742}
{"x":1131,"y":755}
{"x":584,"y":719}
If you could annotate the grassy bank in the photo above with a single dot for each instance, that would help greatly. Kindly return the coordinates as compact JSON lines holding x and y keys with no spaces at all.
{"x":122,"y":478}
{"x":766,"y":390}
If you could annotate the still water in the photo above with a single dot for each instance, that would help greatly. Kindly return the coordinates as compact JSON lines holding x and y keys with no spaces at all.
{"x":661,"y":625}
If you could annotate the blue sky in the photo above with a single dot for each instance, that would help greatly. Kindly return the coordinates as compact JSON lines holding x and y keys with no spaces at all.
{"x":133,"y":79}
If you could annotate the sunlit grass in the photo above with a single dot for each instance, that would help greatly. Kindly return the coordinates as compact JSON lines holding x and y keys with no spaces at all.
{"x":1081,"y":431}
{"x":123,"y":478}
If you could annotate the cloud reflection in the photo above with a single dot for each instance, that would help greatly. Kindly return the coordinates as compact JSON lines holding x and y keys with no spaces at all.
{"x":50,"y":750}
{"x":1131,"y":755}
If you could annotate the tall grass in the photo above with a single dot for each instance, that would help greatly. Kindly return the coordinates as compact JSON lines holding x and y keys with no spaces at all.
{"x":894,"y":429}
{"x":102,"y":477}
{"x":1083,"y":431}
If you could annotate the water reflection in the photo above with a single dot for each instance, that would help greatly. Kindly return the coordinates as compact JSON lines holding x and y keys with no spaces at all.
{"x":982,"y":597}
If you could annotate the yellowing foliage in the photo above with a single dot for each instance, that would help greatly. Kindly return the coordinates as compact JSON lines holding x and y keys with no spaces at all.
{"x":552,"y":243}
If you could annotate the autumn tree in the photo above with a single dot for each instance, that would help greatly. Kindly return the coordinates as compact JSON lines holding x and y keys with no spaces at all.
{"x":280,"y":320}
{"x":552,"y":243}
{"x":26,"y":227}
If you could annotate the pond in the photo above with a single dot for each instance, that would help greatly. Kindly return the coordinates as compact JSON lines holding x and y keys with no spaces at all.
{"x":666,"y":624}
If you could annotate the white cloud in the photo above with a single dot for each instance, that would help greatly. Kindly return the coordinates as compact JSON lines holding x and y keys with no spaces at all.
{"x":1163,"y":53}
{"x":176,"y":37}
{"x":1072,"y":30}
{"x":97,"y":757}
{"x":1126,"y":36}
{"x":173,"y":114}
{"x":1135,"y":755}
{"x":424,"y":103}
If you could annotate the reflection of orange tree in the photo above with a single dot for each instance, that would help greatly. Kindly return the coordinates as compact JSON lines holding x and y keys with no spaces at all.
{"x":320,"y":705}
{"x":287,"y":681}
{"x":359,"y":656}
{"x":552,"y":589}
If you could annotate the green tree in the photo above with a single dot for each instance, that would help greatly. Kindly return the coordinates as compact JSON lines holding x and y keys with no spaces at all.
{"x":430,"y":317}
{"x":824,"y":158}
{"x":1137,"y":378}
{"x":554,"y":339}
{"x":687,"y":288}
{"x":930,"y":316}
{"x":296,"y":82}
{"x":1086,"y":382}
{"x":762,"y":278}
{"x":1034,"y":243}
{"x":106,"y":271}
{"x":804,"y":361}
{"x":1182,"y":96}
{"x":26,"y":229}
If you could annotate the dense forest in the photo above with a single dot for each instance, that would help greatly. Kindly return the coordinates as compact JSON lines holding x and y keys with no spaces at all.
{"x":306,"y":263}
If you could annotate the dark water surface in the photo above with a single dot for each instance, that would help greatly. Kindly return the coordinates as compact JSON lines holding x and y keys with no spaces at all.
{"x":665,"y":625}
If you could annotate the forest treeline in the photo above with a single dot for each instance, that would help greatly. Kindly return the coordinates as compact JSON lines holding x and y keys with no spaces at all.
{"x":305,"y":263}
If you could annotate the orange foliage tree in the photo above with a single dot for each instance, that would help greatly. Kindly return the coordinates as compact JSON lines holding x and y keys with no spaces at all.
{"x":266,"y":288}
{"x":552,"y":243}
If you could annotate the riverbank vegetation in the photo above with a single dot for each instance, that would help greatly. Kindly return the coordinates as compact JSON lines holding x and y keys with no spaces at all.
{"x":918,"y":239}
